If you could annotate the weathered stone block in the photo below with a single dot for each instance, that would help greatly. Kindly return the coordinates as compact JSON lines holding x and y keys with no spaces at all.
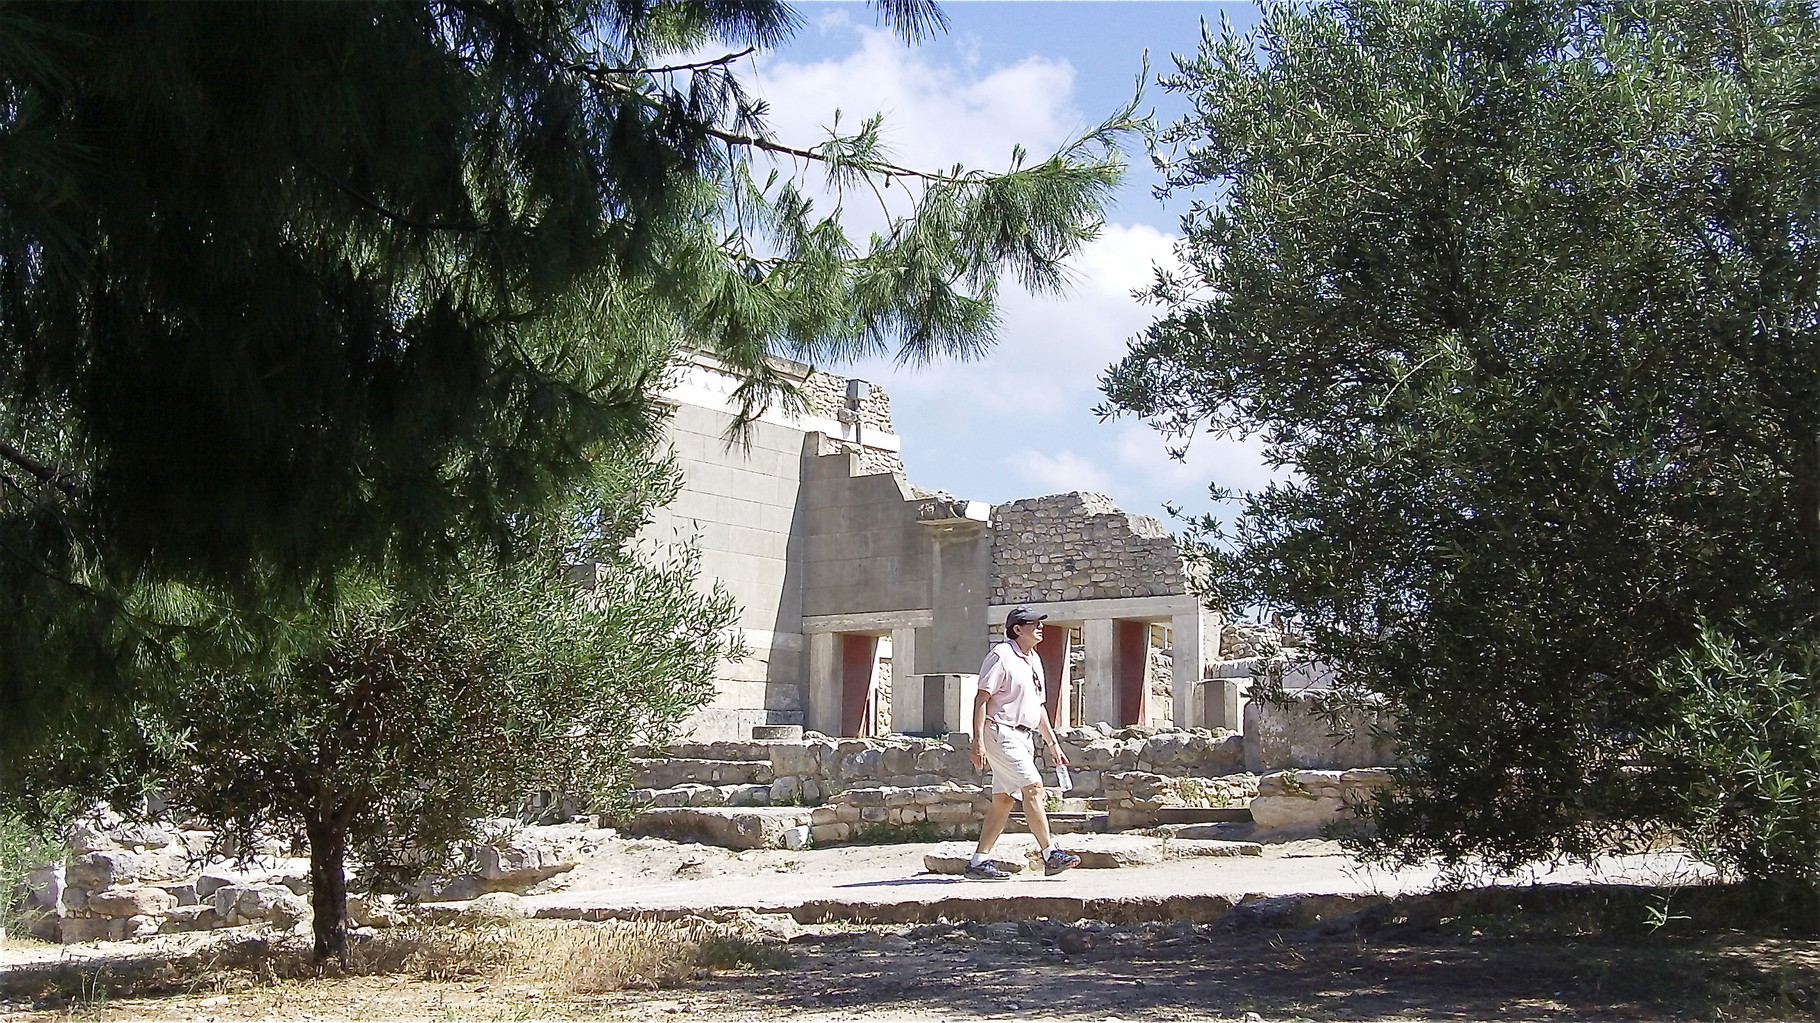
{"x":131,"y":901}
{"x":73,"y":930}
{"x":952,"y":857}
{"x":744,"y":828}
{"x":787,"y":759}
{"x":104,"y":868}
{"x":528,"y":854}
{"x":213,"y":878}
{"x":1296,"y":811}
{"x":747,"y":795}
{"x":788,"y":789}
{"x":374,"y":911}
{"x":272,"y":903}
{"x":189,"y":918}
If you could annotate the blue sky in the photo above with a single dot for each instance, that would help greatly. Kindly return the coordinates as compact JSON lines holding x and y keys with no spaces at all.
{"x":1032,"y":72}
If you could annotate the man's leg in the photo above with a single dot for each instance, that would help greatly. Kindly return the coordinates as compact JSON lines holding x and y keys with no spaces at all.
{"x":1036,"y":814}
{"x":997,"y":816}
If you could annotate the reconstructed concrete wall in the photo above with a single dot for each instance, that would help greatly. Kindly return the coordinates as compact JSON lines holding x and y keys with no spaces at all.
{"x":745,"y":504}
{"x":1293,"y":736}
{"x":741,"y":506}
{"x":864,"y":551}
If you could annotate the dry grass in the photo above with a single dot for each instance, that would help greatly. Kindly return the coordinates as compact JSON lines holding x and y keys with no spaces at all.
{"x":562,"y":959}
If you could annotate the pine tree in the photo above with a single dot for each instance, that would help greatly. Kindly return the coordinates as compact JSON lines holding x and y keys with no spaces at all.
{"x":290,"y":289}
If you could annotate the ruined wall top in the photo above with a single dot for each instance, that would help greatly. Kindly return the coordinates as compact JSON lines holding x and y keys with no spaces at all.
{"x":826,"y":395}
{"x":1079,"y":546}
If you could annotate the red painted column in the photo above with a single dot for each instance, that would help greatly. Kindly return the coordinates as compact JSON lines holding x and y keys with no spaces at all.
{"x":858,"y":658}
{"x":1053,"y":652}
{"x":1133,"y":644}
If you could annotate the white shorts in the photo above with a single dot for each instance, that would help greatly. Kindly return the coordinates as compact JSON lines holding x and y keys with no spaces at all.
{"x":1012,"y":754}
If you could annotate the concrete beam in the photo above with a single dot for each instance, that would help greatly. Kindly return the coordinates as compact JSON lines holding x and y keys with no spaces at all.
{"x":870,"y":621}
{"x":1148,"y":609}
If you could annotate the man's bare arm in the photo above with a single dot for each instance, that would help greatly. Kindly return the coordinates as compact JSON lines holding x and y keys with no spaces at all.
{"x":979,"y":728}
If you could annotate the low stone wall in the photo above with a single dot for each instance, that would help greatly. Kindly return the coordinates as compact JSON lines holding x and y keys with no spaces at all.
{"x":816,"y":769}
{"x":947,"y":810}
{"x":1310,"y":800}
{"x":124,"y":879}
{"x":1134,"y":797}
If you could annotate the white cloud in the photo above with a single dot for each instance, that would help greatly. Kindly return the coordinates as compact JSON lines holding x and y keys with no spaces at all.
{"x":935,"y":116}
{"x":1232,"y":463}
{"x":1034,"y":392}
{"x":1051,"y":348}
{"x":1058,"y":473}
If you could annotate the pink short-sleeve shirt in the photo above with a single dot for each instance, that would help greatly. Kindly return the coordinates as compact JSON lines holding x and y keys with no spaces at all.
{"x":1015,"y":681}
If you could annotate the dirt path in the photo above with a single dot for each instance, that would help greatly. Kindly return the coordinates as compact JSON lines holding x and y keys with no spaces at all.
{"x":1008,"y":971}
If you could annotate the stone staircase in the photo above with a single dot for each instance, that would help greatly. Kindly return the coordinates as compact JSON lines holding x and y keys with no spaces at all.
{"x":1073,"y":817}
{"x":703,"y":775}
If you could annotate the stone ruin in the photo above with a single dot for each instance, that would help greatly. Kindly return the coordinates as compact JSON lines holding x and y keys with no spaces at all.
{"x":867,"y":603}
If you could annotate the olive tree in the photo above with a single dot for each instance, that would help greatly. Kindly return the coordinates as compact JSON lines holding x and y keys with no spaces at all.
{"x":1526,"y":296}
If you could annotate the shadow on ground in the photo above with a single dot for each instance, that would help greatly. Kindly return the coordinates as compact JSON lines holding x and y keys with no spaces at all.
{"x":1278,"y":976}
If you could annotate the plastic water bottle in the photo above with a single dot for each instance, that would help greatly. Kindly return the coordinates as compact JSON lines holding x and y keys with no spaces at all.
{"x":1063,"y":780}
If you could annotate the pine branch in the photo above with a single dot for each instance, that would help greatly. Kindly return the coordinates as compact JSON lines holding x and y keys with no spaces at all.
{"x":595,"y":67}
{"x":503,"y":19}
{"x":393,"y":215}
{"x":42,"y":473}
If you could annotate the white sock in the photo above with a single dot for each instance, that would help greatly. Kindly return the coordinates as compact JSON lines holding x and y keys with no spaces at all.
{"x":978,"y":858}
{"x":1053,"y":848}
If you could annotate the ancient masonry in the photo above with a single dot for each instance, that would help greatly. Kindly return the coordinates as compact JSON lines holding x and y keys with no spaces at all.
{"x":868,"y":604}
{"x":868,"y":601}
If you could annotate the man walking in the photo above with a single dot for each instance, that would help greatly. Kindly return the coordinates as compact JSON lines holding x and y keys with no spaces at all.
{"x":1008,"y":715}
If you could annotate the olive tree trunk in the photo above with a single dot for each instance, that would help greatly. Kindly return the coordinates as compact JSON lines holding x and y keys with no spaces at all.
{"x":329,"y":889}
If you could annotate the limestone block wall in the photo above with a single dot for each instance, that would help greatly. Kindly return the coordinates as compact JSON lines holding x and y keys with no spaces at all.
{"x":739,"y":505}
{"x":1079,"y":546}
{"x":949,"y":810}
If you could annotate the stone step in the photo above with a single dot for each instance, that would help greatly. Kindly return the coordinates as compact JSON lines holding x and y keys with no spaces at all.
{"x":702,"y":795}
{"x":1202,"y":815}
{"x":758,"y":827}
{"x":1097,"y":852}
{"x":670,"y":772}
{"x":1064,"y":822}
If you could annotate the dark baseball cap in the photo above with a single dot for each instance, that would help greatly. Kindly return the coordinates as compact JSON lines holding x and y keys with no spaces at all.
{"x":1021,"y":616}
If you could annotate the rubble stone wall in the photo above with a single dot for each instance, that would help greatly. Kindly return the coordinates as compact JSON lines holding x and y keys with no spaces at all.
{"x":1079,"y":546}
